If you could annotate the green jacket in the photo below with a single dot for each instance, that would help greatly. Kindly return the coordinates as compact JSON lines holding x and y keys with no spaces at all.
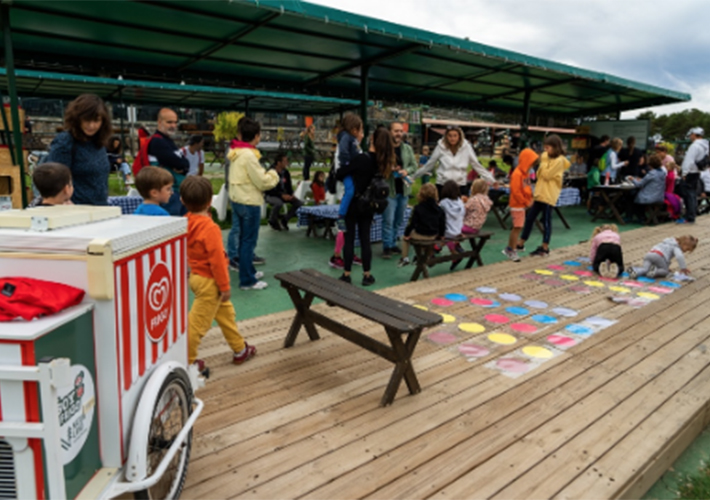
{"x":409,"y":162}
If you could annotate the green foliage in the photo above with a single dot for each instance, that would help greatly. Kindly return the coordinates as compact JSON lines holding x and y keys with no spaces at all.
{"x":696,"y":486}
{"x":225,"y":126}
{"x":674,"y":126}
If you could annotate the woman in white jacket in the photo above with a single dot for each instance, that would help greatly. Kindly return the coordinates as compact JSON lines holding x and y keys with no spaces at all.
{"x":454,"y":154}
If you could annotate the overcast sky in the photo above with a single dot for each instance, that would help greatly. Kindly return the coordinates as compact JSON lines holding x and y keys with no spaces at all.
{"x":661,"y":43}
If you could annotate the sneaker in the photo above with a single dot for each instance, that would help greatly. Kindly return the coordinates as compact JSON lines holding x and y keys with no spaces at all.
{"x":345,"y":279}
{"x":258,"y":275}
{"x":396,"y":250}
{"x":259,"y":285}
{"x":202,"y":368}
{"x":680,"y":221}
{"x":249,"y":352}
{"x":458,"y":248}
{"x":274,"y":225}
{"x":284,"y":224}
{"x":258,"y":261}
{"x":357,"y":260}
{"x":404,"y":261}
{"x":605,"y":270}
{"x":368,"y":280}
{"x":614,"y":270}
{"x":631,"y":272}
{"x":651,"y":272}
{"x":437,"y":248}
{"x":540,"y":251}
{"x":511,"y":254}
{"x":234,"y":264}
{"x":336,"y":262}
{"x":387,"y":253}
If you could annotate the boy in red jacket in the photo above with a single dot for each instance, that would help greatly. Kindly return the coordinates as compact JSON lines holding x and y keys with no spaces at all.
{"x":209,"y":275}
{"x":521,"y":197}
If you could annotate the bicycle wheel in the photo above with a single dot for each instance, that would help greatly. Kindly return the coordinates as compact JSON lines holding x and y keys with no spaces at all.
{"x":172,"y":409}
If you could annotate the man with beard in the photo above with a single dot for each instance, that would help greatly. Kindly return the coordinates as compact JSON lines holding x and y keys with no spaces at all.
{"x":163,"y":152}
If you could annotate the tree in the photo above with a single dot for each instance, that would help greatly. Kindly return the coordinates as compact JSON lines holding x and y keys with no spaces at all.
{"x":674,"y":126}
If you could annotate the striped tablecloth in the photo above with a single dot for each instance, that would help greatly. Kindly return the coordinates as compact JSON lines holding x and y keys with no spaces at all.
{"x":331,"y":212}
{"x":128,"y":204}
{"x":568,"y":196}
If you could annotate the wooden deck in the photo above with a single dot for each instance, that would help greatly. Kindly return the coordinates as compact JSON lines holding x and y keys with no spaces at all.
{"x":603,"y":420}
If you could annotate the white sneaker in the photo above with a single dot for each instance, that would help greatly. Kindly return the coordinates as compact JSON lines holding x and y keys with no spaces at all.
{"x":259,"y":274}
{"x":651,"y":272}
{"x":404,"y":261}
{"x":259,"y":285}
{"x":613,"y":270}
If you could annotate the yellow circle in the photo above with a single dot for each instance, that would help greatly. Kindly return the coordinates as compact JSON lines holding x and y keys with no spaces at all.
{"x":421,"y":307}
{"x":448,"y":318}
{"x":646,"y":295}
{"x":544,"y":272}
{"x":619,"y":289}
{"x":472,"y":328}
{"x":535,"y":351}
{"x":596,"y":284}
{"x":502,"y":338}
{"x":569,"y":277}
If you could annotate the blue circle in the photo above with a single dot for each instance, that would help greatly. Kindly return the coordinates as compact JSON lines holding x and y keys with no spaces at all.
{"x":644,"y":279}
{"x":670,"y":284}
{"x":579,"y":329}
{"x":572,"y":263}
{"x":517,"y":311}
{"x":456,"y":297}
{"x":544,"y":319}
{"x":494,"y":303}
{"x":624,"y":274}
{"x":590,"y":268}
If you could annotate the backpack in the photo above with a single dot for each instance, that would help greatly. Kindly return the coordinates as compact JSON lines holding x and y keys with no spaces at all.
{"x":604,"y":161}
{"x":376,"y":196}
{"x":703,"y":162}
{"x":141,"y":160}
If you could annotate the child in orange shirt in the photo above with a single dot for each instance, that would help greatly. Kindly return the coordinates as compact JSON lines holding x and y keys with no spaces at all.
{"x":209,"y":275}
{"x":521,"y":197}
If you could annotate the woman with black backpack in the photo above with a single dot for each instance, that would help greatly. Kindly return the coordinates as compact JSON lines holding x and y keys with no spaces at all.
{"x":369,"y":171}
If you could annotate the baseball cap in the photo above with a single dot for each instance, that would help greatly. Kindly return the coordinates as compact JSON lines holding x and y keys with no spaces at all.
{"x":696,"y":131}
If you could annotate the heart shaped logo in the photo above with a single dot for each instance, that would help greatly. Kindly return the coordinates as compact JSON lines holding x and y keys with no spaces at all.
{"x":158,"y":302}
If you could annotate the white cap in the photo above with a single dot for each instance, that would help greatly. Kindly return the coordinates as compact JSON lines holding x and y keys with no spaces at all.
{"x":697,"y":131}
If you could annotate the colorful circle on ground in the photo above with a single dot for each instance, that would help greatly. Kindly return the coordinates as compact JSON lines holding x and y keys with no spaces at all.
{"x":579,"y":329}
{"x":485,"y":302}
{"x":624,"y":275}
{"x":565,"y":312}
{"x":442,"y":337}
{"x":619,"y":289}
{"x":669,"y":284}
{"x":649,"y":296}
{"x":486,"y":289}
{"x":584,"y":274}
{"x":514,"y":365}
{"x":645,"y":279}
{"x":660,"y":289}
{"x":502,"y":338}
{"x":535,"y":351}
{"x":510,"y":297}
{"x":472,"y":328}
{"x":573,"y":263}
{"x":590,"y":268}
{"x":569,"y":277}
{"x":584,"y":259}
{"x":594,"y":284}
{"x":442,"y":302}
{"x":556,"y":267}
{"x":517,"y":311}
{"x":523,"y":327}
{"x":498,"y":319}
{"x":474,"y":350}
{"x":544,"y":272}
{"x":579,"y":289}
{"x":599,"y":321}
{"x":545,"y":319}
{"x":561,"y":340}
{"x":536,"y":304}
{"x":554,"y":282}
{"x":456,"y":297}
{"x":531,"y":277}
{"x":632,"y":284}
{"x":448,"y":318}
{"x":421,"y":307}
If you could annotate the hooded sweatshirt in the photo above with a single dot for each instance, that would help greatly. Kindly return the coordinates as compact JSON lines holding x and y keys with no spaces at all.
{"x":247,"y":178}
{"x":454,"y":210}
{"x":453,"y":167}
{"x":696,"y":152}
{"x":549,"y":178}
{"x":520,"y":190}
{"x":670,"y":248}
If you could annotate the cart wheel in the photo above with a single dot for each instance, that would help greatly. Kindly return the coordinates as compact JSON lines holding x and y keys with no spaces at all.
{"x":172,"y":409}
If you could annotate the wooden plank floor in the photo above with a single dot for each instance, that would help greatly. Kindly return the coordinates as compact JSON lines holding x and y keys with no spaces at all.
{"x":603,"y":420}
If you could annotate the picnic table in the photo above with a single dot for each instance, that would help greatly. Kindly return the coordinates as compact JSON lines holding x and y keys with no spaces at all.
{"x":399,"y":320}
{"x":326,"y":216}
{"x":425,"y":257}
{"x":611,"y":196}
{"x":568,"y":197}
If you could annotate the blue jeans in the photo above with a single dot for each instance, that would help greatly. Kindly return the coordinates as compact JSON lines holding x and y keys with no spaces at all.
{"x":248,"y":220}
{"x":174,"y":206}
{"x":392,"y":220}
{"x":233,"y":238}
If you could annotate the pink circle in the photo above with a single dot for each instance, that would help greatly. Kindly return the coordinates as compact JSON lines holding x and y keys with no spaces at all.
{"x":514,"y":365}
{"x":632,"y":284}
{"x":660,"y":289}
{"x":496,"y":318}
{"x":523,"y":327}
{"x":561,"y":340}
{"x":473,"y":350}
{"x":556,"y":267}
{"x":602,"y":278}
{"x":442,"y":302}
{"x":442,"y":338}
{"x":555,"y":282}
{"x":579,"y":289}
{"x":532,"y":276}
{"x":585,"y":274}
{"x":482,"y":302}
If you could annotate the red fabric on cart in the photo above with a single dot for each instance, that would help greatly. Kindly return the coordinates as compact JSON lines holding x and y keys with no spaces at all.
{"x":29,"y":298}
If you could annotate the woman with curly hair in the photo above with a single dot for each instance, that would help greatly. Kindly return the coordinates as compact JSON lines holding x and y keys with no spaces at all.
{"x":82,"y":148}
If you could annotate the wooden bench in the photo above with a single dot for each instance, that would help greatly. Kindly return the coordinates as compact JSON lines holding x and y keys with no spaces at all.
{"x":425,"y":257}
{"x":399,"y":320}
{"x":655,"y":214}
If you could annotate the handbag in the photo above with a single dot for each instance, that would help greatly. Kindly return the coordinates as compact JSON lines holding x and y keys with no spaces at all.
{"x":220,"y":203}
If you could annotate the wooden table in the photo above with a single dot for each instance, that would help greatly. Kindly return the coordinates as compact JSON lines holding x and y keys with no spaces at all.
{"x":611,"y":196}
{"x":425,"y":257}
{"x":399,"y":320}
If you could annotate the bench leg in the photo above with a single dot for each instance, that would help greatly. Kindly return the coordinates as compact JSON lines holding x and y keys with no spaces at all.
{"x":422,"y":255}
{"x":302,"y":305}
{"x":403,"y":367}
{"x":476,"y":247}
{"x":328,"y":230}
{"x":312,"y":226}
{"x":562,"y":217}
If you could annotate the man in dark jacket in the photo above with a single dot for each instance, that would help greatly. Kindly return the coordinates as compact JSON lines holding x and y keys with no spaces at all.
{"x":281,"y":194}
{"x":163,"y":152}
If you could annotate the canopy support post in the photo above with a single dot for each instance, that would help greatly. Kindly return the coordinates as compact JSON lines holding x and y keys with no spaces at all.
{"x":364,"y":98}
{"x":12,"y":91}
{"x":246,"y":106}
{"x":123,"y":109}
{"x":526,"y":120}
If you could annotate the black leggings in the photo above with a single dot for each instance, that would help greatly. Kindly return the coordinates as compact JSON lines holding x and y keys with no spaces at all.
{"x":362,"y":223}
{"x":611,"y":252}
{"x":533,"y":212}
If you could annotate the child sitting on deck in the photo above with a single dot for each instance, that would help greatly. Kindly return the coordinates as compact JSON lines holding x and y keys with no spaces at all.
{"x":428,"y":221}
{"x":657,"y":262}
{"x":606,"y":255}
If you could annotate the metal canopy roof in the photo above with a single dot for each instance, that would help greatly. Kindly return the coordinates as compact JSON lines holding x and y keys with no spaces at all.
{"x":301,"y":47}
{"x":60,"y":85}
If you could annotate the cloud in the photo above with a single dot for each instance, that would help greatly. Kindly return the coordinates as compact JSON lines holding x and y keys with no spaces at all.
{"x":658,"y":43}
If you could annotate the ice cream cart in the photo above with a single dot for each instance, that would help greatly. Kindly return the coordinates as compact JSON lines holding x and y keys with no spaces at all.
{"x":98,"y":400}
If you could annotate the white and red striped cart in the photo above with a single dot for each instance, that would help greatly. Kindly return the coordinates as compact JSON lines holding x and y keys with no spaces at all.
{"x":98,"y":400}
